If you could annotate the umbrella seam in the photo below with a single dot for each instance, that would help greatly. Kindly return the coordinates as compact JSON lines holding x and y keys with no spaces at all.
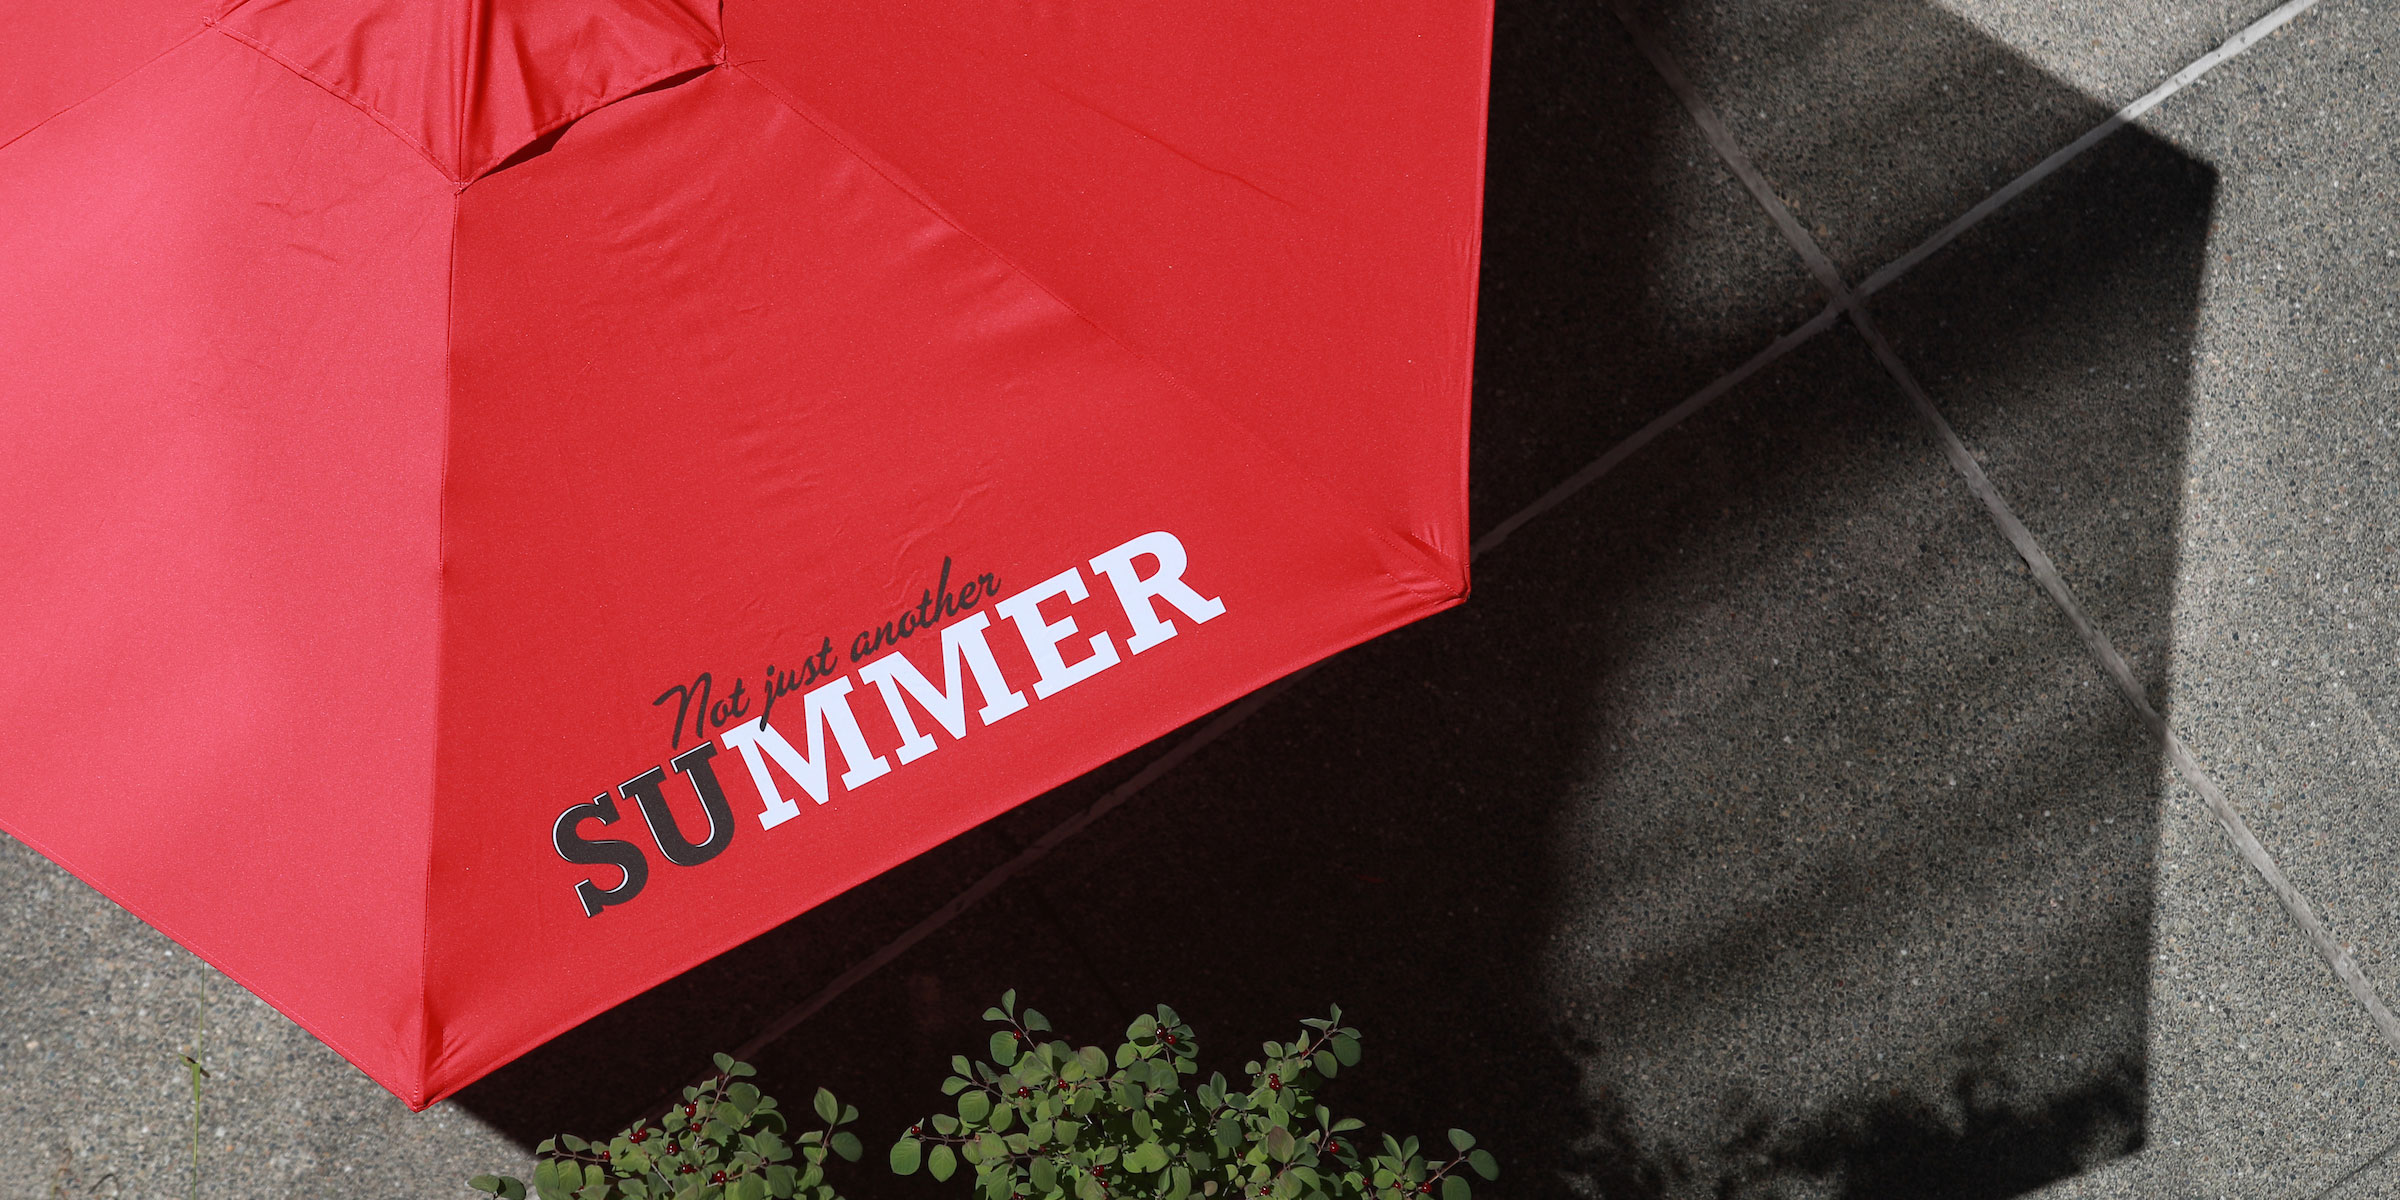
{"x":338,"y":92}
{"x":108,"y":87}
{"x":441,"y":614}
{"x":1434,"y":582}
{"x":493,"y":161}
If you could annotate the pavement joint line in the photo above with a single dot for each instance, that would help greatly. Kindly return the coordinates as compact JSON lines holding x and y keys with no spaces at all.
{"x":1667,"y":420}
{"x":2356,"y":1171}
{"x":1963,"y":461}
{"x":1844,"y":301}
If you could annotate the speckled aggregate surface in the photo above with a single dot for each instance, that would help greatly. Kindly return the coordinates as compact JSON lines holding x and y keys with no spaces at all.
{"x":1760,"y":829}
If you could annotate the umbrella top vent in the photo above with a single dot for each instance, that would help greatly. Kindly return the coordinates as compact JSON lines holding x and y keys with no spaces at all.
{"x":469,"y":83}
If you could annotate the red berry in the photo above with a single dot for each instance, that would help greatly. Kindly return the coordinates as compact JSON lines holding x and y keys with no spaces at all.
{"x":688,"y":1169}
{"x":639,"y":1136}
{"x":604,"y":1156}
{"x":1334,"y":1147}
{"x":1274,"y":1083}
{"x":1024,"y":1091}
{"x":672,"y":1148}
{"x":1425,"y":1187}
{"x":916,"y":1131}
{"x":719,"y":1177}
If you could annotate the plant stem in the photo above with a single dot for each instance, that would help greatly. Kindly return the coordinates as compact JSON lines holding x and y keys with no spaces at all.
{"x":192,"y":1062}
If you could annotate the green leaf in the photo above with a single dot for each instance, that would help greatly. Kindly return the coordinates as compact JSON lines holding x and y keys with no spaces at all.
{"x":941,"y":1163}
{"x":1484,"y":1164}
{"x":1461,"y":1140}
{"x":485,"y":1183}
{"x":744,"y":1097}
{"x":1345,"y":1048}
{"x":1149,"y":1156}
{"x":593,"y":1191}
{"x":973,"y":1107}
{"x":724,"y":1062}
{"x":1281,"y":1145}
{"x":1036,"y":1021}
{"x":953,"y":1086}
{"x":1008,"y":1000}
{"x":512,"y":1188}
{"x":1455,"y":1188}
{"x":989,"y":1148}
{"x":827,"y":1107}
{"x":1325,"y":1064}
{"x":571,"y":1142}
{"x":846,"y":1144}
{"x":994,"y":1014}
{"x":945,"y":1124}
{"x":1044,"y":1174}
{"x":748,"y":1187}
{"x":1004,"y":1047}
{"x":907,"y":1155}
{"x":1093,"y":1060}
{"x":1003,"y":1116}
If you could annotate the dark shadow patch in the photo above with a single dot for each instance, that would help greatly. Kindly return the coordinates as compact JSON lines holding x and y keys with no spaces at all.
{"x":1674,"y":1008}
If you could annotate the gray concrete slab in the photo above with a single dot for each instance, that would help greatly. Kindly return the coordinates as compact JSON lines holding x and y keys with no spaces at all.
{"x":2190,"y":405}
{"x":1878,"y":121}
{"x":2265,"y":1079}
{"x":1759,"y":826}
{"x":2111,"y":52}
{"x":2287,"y":672}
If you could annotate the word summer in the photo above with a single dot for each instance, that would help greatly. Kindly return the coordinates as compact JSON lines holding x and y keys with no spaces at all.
{"x":1146,"y":596}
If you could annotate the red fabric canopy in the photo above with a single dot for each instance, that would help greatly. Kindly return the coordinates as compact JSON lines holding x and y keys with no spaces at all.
{"x":496,"y":484}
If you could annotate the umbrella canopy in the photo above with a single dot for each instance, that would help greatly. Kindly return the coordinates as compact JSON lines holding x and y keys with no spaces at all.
{"x":507,"y":499}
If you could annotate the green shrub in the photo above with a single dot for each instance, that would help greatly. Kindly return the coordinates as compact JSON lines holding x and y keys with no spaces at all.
{"x":1044,"y":1119}
{"x":726,"y":1141}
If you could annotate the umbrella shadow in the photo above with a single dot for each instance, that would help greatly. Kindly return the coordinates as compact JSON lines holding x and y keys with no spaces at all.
{"x":1550,"y":850}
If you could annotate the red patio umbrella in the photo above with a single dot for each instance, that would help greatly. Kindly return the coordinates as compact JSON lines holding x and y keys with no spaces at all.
{"x":507,"y":499}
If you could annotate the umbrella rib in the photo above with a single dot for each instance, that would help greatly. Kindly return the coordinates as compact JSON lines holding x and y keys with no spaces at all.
{"x":106,"y":88}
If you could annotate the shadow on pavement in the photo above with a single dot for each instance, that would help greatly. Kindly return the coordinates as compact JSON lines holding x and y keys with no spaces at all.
{"x":1757,"y":830}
